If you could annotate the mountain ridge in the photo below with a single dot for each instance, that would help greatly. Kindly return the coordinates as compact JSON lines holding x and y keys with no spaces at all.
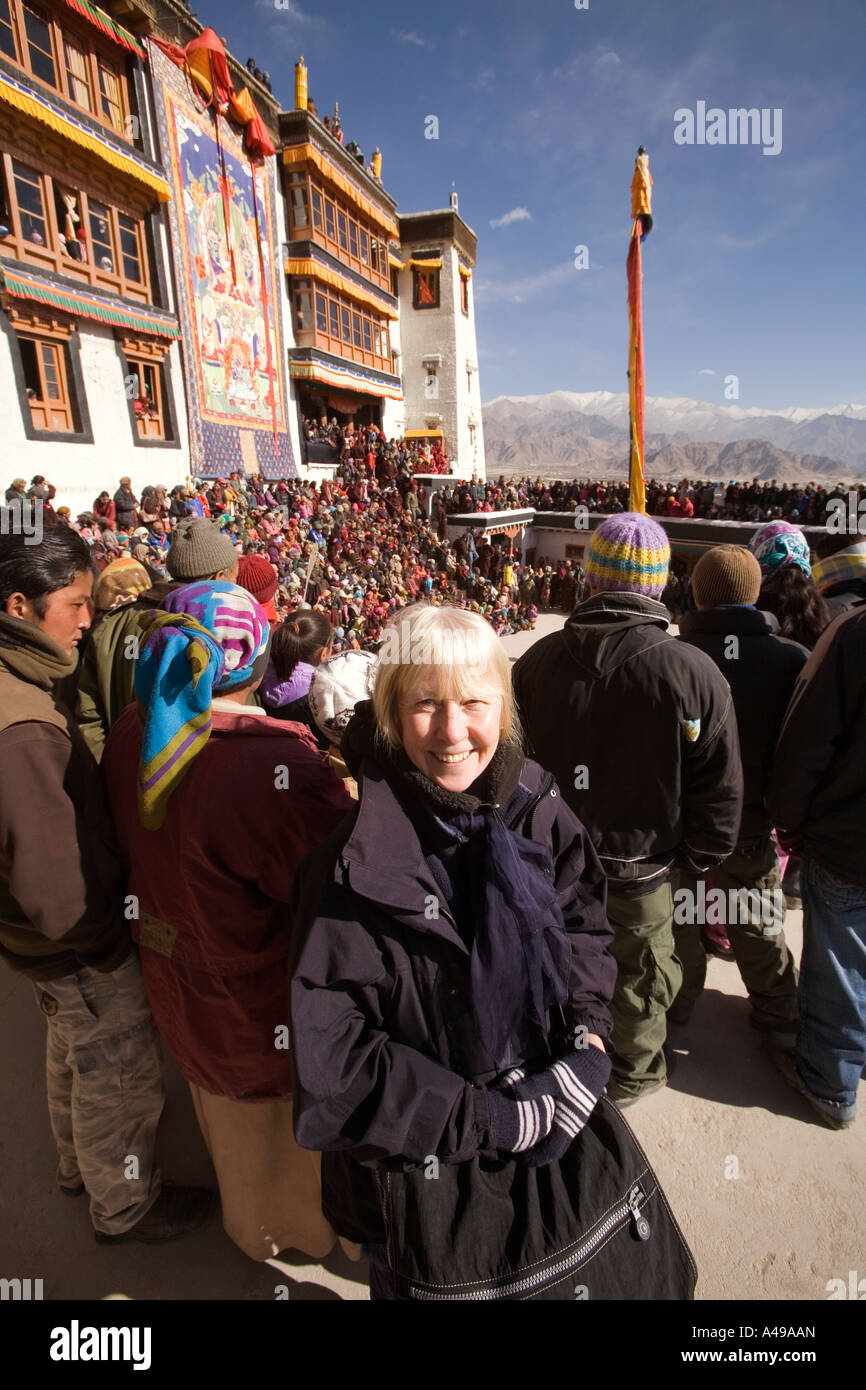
{"x":570,"y":432}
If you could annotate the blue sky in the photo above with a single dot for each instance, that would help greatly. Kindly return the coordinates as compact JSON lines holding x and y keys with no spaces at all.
{"x":755,"y":264}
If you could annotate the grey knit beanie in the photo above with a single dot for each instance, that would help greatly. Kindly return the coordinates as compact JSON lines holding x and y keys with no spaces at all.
{"x":198,"y":550}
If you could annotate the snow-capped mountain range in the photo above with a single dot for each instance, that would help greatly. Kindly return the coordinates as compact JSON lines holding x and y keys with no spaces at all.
{"x":564,"y":430}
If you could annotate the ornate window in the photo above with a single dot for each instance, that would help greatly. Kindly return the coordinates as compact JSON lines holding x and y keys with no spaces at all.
{"x":77,"y":74}
{"x":425,"y":288}
{"x":63,"y":229}
{"x":75,"y":64}
{"x":148,"y":390}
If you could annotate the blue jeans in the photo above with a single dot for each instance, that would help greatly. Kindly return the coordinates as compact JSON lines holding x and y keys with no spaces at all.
{"x":831,"y":1045}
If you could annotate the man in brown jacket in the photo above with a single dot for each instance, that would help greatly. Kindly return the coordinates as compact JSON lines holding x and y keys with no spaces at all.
{"x":62,"y":908}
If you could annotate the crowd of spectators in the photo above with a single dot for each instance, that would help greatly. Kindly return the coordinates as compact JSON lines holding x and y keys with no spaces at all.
{"x":364,"y":544}
{"x":368,"y":448}
{"x":356,"y":548}
{"x":734,"y":501}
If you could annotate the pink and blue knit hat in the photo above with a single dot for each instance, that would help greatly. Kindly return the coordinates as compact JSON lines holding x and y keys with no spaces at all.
{"x":780,"y":543}
{"x":211,"y":638}
{"x":629,"y":554}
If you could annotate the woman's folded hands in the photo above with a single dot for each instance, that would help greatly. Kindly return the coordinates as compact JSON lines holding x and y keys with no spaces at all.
{"x":540,"y":1114}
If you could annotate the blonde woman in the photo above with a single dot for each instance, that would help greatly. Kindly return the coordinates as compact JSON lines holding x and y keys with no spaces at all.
{"x":452,"y":976}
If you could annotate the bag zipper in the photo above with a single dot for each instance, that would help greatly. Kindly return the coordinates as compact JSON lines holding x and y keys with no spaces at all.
{"x":627,"y":1209}
{"x":660,"y":1190}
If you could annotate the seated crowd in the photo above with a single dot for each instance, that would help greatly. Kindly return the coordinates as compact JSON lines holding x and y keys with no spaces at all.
{"x":737,"y":501}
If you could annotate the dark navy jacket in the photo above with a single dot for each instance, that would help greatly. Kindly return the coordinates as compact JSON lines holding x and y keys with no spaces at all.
{"x":384,"y":1050}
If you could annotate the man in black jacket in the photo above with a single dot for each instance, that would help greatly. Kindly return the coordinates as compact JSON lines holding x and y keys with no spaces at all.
{"x":639,"y":731}
{"x":817,"y":797}
{"x":761,"y":669}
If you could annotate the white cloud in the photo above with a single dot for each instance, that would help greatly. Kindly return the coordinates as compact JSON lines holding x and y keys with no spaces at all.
{"x":515,"y":215}
{"x":484,"y":80}
{"x":518,"y":291}
{"x":409,"y":36}
{"x":608,"y":58}
{"x":706,"y":371}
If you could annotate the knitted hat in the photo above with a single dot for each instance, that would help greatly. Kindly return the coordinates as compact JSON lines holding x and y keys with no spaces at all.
{"x":120,"y":582}
{"x":256,"y":575}
{"x":726,"y":574}
{"x":778,"y":544}
{"x":340,"y":683}
{"x":198,"y":550}
{"x":629,"y":554}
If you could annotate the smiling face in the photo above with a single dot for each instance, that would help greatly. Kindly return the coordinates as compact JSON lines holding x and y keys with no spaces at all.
{"x":450,"y":740}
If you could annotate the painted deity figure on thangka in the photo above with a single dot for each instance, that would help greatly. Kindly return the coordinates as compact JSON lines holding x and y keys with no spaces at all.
{"x":224,"y":264}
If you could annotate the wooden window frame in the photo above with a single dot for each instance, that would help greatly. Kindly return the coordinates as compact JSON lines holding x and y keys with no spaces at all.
{"x":302,"y":290}
{"x":116,"y":70}
{"x":16,"y":38}
{"x":417,"y":273}
{"x":70,"y":78}
{"x":51,"y":256}
{"x":299,"y":182}
{"x":464,"y":294}
{"x":24,"y":44}
{"x":41,"y":325}
{"x":50,"y":415}
{"x":373,"y":350}
{"x":138,"y":355}
{"x":95,"y":51}
{"x":360,"y":235}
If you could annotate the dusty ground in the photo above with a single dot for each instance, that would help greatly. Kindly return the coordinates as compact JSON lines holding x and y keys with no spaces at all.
{"x":770,"y":1201}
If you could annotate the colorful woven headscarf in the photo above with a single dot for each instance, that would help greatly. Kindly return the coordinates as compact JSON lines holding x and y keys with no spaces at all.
{"x":778,"y":544}
{"x":211,"y":638}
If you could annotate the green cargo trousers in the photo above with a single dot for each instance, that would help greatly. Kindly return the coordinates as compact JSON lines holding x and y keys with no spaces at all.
{"x":105,"y":1090}
{"x":753,"y":911}
{"x":649,"y":975}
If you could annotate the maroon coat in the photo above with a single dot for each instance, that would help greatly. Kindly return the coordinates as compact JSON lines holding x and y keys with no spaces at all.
{"x":213,"y":885}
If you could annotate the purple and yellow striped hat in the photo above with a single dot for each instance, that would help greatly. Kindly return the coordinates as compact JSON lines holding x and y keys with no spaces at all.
{"x":629,"y":554}
{"x":211,"y":638}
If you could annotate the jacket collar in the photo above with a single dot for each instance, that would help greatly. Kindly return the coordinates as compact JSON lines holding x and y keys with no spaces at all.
{"x":730,"y":619}
{"x":385,"y":862}
{"x":607,"y":606}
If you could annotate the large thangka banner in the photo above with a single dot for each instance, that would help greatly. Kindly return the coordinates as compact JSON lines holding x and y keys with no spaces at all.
{"x":222,"y":269}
